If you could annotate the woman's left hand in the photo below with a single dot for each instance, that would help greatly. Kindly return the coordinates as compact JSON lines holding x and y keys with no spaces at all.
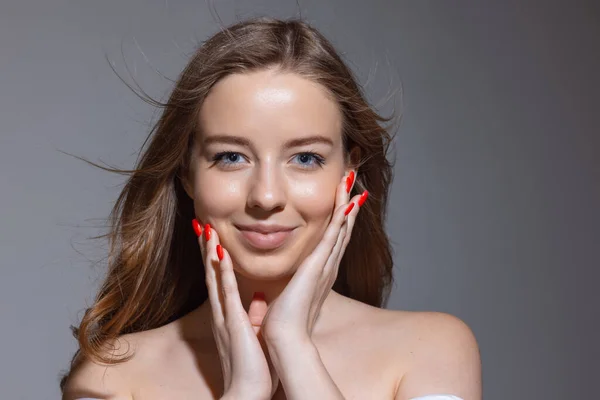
{"x":292,"y":316}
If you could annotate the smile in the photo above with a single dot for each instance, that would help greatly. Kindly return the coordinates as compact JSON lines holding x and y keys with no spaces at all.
{"x":265,"y":237}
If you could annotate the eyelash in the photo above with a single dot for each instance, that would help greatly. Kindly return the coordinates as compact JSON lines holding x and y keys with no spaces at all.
{"x":220,"y":158}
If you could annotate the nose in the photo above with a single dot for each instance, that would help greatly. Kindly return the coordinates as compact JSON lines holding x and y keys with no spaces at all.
{"x":267,"y":189}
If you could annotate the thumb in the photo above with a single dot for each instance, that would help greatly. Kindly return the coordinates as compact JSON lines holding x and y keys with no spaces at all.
{"x":257,"y":310}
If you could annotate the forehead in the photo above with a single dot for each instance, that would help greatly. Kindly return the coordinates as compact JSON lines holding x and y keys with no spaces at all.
{"x":270,"y":106}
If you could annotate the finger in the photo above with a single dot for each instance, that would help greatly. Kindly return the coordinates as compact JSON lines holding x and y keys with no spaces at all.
{"x":257,"y":310}
{"x":199,"y":229}
{"x":349,"y":182}
{"x":235,"y":314}
{"x":334,"y":257}
{"x":349,"y":225}
{"x":344,"y":236}
{"x":343,"y":189}
{"x":351,"y":217}
{"x":341,"y":198}
{"x":322,"y":252}
{"x":213,"y":276}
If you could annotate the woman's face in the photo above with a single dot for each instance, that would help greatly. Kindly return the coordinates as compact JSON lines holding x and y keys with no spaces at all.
{"x":265,"y":167}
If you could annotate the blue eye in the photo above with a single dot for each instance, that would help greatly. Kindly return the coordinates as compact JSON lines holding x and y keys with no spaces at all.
{"x":305,"y":160}
{"x":228,"y":158}
{"x":309,"y":160}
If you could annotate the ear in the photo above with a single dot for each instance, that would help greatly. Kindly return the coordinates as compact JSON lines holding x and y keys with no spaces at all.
{"x":186,"y":178}
{"x":353,"y":159}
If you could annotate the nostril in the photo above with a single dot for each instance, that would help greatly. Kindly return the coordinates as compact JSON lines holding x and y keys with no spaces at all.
{"x":267,"y":198}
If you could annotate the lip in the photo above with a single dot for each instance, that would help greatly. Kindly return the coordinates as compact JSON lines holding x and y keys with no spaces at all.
{"x":265,"y":236}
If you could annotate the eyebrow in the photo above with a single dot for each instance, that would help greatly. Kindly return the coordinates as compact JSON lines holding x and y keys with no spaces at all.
{"x":231,"y":139}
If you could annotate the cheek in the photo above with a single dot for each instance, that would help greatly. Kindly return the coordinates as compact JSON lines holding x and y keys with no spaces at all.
{"x":216,"y":197}
{"x":314,"y":198}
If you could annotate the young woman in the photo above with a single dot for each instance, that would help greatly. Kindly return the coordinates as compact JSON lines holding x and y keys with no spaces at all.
{"x":248,"y":253}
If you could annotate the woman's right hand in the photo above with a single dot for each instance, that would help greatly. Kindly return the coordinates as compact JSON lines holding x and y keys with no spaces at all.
{"x":247,"y":372}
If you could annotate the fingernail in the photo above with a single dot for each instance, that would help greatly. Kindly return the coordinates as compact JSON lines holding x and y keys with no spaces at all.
{"x":350,"y":207}
{"x":349,"y":181}
{"x":363,"y":198}
{"x":197,"y":227}
{"x":207,"y":232}
{"x":258,"y":296}
{"x":220,"y":251}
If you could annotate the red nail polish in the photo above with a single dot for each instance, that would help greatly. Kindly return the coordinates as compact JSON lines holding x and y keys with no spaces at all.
{"x":349,"y":181}
{"x":220,"y":251}
{"x":258,"y":296}
{"x":207,"y":232}
{"x":197,"y":227}
{"x":363,"y":198}
{"x":350,"y":207}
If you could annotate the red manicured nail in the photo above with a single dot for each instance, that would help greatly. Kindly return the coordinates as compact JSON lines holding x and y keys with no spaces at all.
{"x":258,"y":296}
{"x":350,"y":207}
{"x":363,"y":198}
{"x":207,"y":232}
{"x":220,"y":251}
{"x":349,"y":181}
{"x":197,"y":227}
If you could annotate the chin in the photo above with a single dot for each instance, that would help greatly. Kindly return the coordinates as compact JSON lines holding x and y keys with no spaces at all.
{"x":265,"y":266}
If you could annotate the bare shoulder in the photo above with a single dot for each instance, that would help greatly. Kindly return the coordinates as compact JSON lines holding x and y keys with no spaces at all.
{"x":88,"y":378}
{"x":441,"y":353}
{"x":115,"y":381}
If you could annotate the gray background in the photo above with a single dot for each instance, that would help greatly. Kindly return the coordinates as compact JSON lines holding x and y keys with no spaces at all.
{"x":494,"y":209}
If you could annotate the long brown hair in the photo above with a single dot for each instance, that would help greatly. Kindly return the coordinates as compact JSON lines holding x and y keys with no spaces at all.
{"x":155,"y":271}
